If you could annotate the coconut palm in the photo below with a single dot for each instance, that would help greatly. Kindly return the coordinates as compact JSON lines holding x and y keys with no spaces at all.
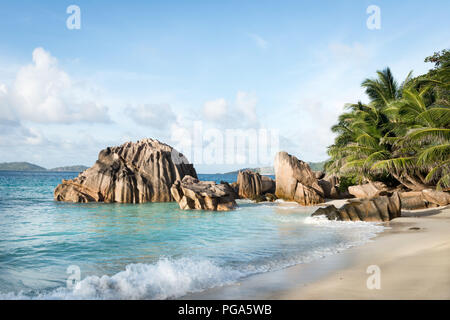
{"x":420,"y":139}
{"x":402,"y":134}
{"x":361,"y":129}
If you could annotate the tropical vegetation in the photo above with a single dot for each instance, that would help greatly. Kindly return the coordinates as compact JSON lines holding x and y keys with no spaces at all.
{"x":402,"y":135}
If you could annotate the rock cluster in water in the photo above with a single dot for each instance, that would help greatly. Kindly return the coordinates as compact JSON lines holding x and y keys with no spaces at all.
{"x":251,"y":185}
{"x":151,"y":171}
{"x":295,"y":181}
{"x":190,"y":193}
{"x":382,"y":208}
{"x":138,"y":172}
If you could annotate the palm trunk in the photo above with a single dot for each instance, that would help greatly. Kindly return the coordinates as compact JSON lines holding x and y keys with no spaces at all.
{"x":417,"y":185}
{"x":422,"y":178}
{"x":403,"y":182}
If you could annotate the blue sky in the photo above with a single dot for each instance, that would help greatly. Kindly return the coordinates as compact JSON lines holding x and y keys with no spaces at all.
{"x":140,"y":69}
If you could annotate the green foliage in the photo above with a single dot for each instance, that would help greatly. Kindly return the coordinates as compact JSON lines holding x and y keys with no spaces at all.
{"x":402,"y":135}
{"x":317,"y":166}
{"x":347,"y":181}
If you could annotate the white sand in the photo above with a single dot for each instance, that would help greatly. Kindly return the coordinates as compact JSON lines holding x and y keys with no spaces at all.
{"x":414,"y":264}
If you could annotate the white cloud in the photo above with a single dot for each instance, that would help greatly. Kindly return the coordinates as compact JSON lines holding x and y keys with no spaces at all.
{"x":246,"y":104}
{"x":42,"y":92}
{"x":159,"y":116}
{"x":39,"y":94}
{"x":3,"y":90}
{"x":14,"y":134}
{"x":215,"y":109}
{"x":29,"y":144}
{"x":7,"y":114}
{"x":260,"y":42}
{"x":238,"y":114}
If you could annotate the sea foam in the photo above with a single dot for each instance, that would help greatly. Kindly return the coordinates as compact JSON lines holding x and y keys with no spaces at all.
{"x":166,"y":279}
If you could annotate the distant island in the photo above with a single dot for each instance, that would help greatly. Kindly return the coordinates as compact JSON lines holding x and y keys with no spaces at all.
{"x":20,"y":166}
{"x":317,"y":166}
{"x":269,"y":171}
{"x":26,"y":166}
{"x":78,"y":168}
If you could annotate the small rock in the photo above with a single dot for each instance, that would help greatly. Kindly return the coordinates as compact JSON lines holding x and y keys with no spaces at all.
{"x":270,"y":197}
{"x":368,"y":190}
{"x":413,"y":200}
{"x":439,"y":198}
{"x":203,"y":195}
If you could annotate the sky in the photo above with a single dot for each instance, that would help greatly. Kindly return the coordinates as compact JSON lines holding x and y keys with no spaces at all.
{"x":169,"y":69}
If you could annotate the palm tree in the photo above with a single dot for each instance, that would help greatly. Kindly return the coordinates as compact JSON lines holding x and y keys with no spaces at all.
{"x":402,"y":134}
{"x":382,"y":89}
{"x":418,"y":139}
{"x":360,"y":130}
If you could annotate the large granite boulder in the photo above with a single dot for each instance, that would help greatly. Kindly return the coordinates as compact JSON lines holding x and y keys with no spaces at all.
{"x":368,"y":190}
{"x":252,"y":184}
{"x":413,"y":200}
{"x":439,"y":198}
{"x":295,"y":181}
{"x":190,"y":193}
{"x":136,"y":172}
{"x":427,"y":198}
{"x":381,"y":208}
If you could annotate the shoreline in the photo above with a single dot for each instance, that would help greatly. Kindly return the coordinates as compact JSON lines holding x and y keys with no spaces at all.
{"x":413,"y":263}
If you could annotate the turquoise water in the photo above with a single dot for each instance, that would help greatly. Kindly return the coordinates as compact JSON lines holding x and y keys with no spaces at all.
{"x":149,"y":251}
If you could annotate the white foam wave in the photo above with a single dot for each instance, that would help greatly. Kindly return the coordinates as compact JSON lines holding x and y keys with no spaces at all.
{"x":287,"y":202}
{"x":288,"y":218}
{"x":244,"y":201}
{"x":322,"y":220}
{"x":166,"y":279}
{"x":357,"y":232}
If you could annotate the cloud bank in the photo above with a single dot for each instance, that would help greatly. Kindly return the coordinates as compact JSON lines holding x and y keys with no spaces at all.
{"x":43,"y":93}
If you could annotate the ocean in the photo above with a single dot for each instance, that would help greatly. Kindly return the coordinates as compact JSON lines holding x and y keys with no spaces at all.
{"x":153,"y":250}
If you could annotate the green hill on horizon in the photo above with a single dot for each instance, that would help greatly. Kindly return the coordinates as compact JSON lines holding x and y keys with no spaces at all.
{"x":315,"y":166}
{"x":26,"y":166}
{"x":78,"y":168}
{"x":20,"y":166}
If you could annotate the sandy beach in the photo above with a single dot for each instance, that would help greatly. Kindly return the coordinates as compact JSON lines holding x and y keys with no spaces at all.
{"x":413,"y":256}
